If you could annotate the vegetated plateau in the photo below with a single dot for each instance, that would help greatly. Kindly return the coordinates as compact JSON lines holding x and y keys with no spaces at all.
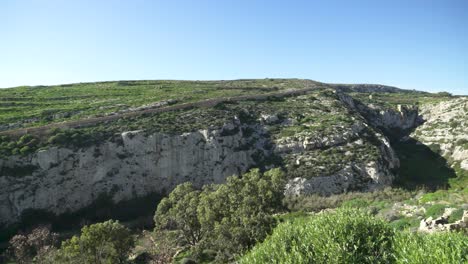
{"x":249,"y":171}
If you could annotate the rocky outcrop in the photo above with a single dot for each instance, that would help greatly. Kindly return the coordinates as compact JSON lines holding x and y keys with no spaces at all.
{"x":355,"y":174}
{"x":367,"y":177}
{"x":65,"y":180}
{"x":368,"y":88}
{"x":444,"y":129}
{"x":441,"y":224}
{"x":401,"y":119}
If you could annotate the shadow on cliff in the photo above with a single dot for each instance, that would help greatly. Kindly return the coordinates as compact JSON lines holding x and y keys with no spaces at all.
{"x":421,"y":166}
{"x":136,"y":213}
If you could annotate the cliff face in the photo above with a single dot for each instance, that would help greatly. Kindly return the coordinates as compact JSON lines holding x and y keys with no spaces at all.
{"x":354,"y":176}
{"x":445,"y":129}
{"x":402,"y":119}
{"x":327,"y":143}
{"x":67,"y":180}
{"x":354,"y":172}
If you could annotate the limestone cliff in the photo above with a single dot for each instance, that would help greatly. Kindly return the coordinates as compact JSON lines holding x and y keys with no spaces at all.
{"x":394,"y":120}
{"x":445,"y":129}
{"x":65,"y":180}
{"x":327,"y":143}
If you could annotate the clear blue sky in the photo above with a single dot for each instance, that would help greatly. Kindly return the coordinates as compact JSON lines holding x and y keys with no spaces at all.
{"x":411,"y":44}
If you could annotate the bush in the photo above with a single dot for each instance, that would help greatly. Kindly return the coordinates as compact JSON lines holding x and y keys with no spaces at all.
{"x":444,"y":94}
{"x":107,"y":242}
{"x":417,"y":248}
{"x":356,"y":203}
{"x":456,"y":215}
{"x":25,"y":139}
{"x":344,"y":236}
{"x":25,"y":150}
{"x":36,"y":246}
{"x":58,"y":139}
{"x":435,"y":210}
{"x":404,"y":223}
{"x":434,"y":196}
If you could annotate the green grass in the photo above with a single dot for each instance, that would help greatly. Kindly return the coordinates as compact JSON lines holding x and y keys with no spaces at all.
{"x":435,"y":210}
{"x":353,"y":236}
{"x":75,"y":101}
{"x":405,"y":223}
{"x":391,"y":100}
{"x":417,"y":248}
{"x":345,"y":236}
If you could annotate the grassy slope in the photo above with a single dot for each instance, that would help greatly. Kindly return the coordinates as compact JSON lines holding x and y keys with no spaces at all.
{"x":91,"y":99}
{"x":391,"y":100}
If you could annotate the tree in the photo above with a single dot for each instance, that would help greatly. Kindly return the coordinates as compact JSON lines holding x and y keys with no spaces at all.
{"x":179,"y":212}
{"x":240,"y":211}
{"x":36,"y":245}
{"x":444,"y":94}
{"x":229,"y":217}
{"x":107,"y":242}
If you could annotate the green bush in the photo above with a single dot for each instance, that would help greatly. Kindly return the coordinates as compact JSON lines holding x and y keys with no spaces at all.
{"x":456,"y":215}
{"x":435,"y":210}
{"x":107,"y":242}
{"x":25,"y":139}
{"x":353,"y":236}
{"x":25,"y":150}
{"x":417,"y":248}
{"x":434,"y":196}
{"x":356,"y":203}
{"x":58,"y":139}
{"x":344,"y":236}
{"x":227,"y":218}
{"x":405,"y":222}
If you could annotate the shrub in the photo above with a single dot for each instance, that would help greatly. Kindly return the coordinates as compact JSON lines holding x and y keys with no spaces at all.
{"x":356,"y":203}
{"x":107,"y":242}
{"x":25,"y":150}
{"x":444,"y":94}
{"x":344,"y":236}
{"x":25,"y":139}
{"x":456,"y":215}
{"x":59,"y":139}
{"x":462,"y":142}
{"x":434,"y":196}
{"x":405,"y":222}
{"x":435,"y":210}
{"x":417,"y":248}
{"x":37,"y":245}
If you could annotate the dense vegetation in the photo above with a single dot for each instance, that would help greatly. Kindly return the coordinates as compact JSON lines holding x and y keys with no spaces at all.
{"x":326,"y":237}
{"x":221,"y":222}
